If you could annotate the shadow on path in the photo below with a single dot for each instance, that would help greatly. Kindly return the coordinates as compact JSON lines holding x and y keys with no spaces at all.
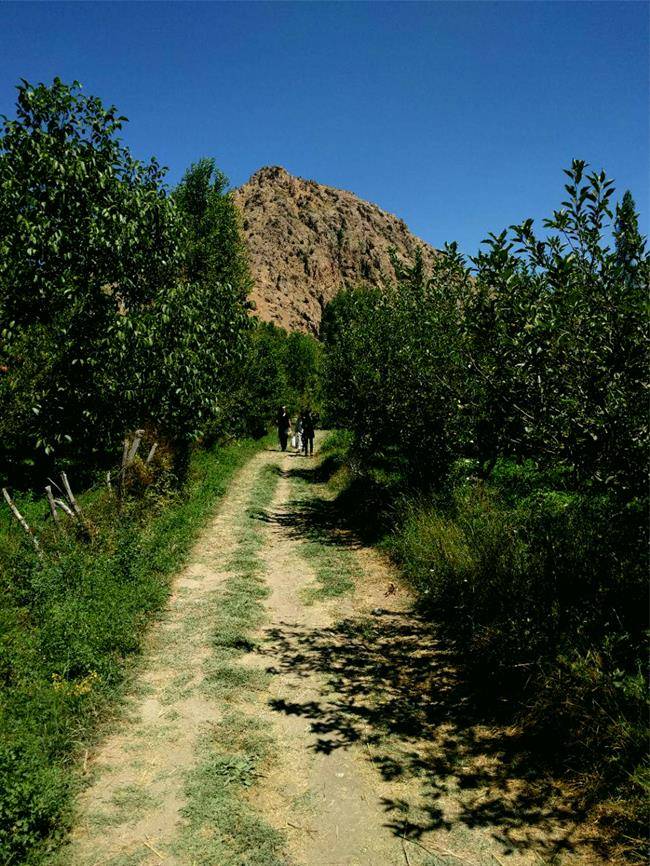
{"x":391,"y":686}
{"x":314,"y":519}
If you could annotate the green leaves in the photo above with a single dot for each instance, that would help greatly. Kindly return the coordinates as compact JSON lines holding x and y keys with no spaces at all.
{"x":541,"y":355}
{"x":101,"y":328}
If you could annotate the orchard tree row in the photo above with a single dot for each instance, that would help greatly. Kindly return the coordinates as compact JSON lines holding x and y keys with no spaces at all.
{"x":537,"y":349}
{"x":122,"y":305}
{"x":498,"y":409}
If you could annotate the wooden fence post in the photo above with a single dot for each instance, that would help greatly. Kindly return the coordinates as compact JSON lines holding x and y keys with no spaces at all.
{"x":22,"y":521}
{"x":63,"y":505}
{"x":73,"y":502}
{"x":52,"y":504}
{"x":133,"y":450}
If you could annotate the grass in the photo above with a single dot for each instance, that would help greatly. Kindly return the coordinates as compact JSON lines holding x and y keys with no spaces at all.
{"x":335,"y":567}
{"x":70,"y":629}
{"x":127,"y":804}
{"x":221,"y":827}
{"x":541,"y":592}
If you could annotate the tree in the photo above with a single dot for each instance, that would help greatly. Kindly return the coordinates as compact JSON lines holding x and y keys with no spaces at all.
{"x":120,"y":305}
{"x":214,"y":248}
{"x":630,"y":245}
{"x":81,"y":222}
{"x":87,"y":237}
{"x":540,"y":355}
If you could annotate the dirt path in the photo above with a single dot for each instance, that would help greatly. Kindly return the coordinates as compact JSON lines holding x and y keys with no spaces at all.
{"x":338,"y":728}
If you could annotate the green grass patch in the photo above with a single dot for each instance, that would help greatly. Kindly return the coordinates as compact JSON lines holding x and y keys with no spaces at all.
{"x":335,"y":570}
{"x":335,"y":566}
{"x":221,"y":826}
{"x":69,"y":627}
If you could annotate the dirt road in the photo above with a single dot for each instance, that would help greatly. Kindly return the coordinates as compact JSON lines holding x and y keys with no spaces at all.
{"x":291,"y":708}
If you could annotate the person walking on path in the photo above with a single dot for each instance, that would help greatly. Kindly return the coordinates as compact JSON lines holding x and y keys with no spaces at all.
{"x":308,"y":433}
{"x":284,"y":427}
{"x":298,"y":435}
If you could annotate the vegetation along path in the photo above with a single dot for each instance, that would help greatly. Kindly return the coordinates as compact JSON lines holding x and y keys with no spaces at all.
{"x":292,"y":709}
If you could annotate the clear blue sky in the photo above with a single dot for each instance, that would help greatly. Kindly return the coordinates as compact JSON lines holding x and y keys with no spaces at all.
{"x":458,"y":117}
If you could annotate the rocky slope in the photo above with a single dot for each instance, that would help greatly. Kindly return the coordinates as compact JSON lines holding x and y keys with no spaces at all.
{"x":306,"y":241}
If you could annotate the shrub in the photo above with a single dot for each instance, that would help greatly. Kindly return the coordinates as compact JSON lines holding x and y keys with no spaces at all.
{"x":543,"y":594}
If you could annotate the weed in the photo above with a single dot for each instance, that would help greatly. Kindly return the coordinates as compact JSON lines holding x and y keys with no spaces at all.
{"x":69,"y":628}
{"x":221,"y":827}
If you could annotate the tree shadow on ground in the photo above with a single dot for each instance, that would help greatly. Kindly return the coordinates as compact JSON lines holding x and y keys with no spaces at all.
{"x":392,"y":687}
{"x":314,"y":519}
{"x":362,"y":506}
{"x":312,"y":472}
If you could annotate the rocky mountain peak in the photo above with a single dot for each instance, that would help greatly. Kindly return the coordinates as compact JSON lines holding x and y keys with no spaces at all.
{"x":306,"y":241}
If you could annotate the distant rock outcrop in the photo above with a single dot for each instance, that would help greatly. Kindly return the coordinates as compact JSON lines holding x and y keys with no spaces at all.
{"x":306,"y":241}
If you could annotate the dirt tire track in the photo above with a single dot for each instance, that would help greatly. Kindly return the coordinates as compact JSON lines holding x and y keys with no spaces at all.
{"x":327,"y":788}
{"x":141,"y":766}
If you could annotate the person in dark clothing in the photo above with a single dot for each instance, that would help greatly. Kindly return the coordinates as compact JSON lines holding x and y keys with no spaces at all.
{"x":284,"y":427}
{"x":308,"y":433}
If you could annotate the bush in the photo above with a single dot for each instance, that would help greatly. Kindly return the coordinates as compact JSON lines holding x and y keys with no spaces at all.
{"x":542,"y":591}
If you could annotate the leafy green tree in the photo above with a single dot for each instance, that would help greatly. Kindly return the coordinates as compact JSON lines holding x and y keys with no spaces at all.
{"x":630,"y":245}
{"x":214,"y":248}
{"x":278,"y":368}
{"x":583,"y":349}
{"x":540,"y":354}
{"x":392,"y":366}
{"x":262,"y":384}
{"x":302,"y":359}
{"x":120,"y":305}
{"x":87,"y":236}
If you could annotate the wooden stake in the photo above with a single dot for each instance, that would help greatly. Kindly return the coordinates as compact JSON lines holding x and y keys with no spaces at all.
{"x":151,"y":452}
{"x":54,"y":484}
{"x":137,"y":439}
{"x":108,"y":482}
{"x":52,"y":504}
{"x":63,"y":505}
{"x":22,"y":521}
{"x":71,"y":499}
{"x":125,"y":453}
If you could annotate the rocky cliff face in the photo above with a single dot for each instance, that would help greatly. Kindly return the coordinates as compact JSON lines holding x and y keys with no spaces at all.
{"x":306,"y":241}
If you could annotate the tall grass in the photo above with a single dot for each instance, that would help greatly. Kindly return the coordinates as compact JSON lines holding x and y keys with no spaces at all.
{"x":543,"y":593}
{"x":69,"y":627}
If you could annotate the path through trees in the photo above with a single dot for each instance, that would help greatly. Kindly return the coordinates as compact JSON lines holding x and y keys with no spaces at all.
{"x":293,"y":709}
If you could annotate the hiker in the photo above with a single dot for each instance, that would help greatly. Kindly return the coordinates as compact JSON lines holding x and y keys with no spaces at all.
{"x":308,"y":433}
{"x":284,"y":427}
{"x":298,"y":435}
